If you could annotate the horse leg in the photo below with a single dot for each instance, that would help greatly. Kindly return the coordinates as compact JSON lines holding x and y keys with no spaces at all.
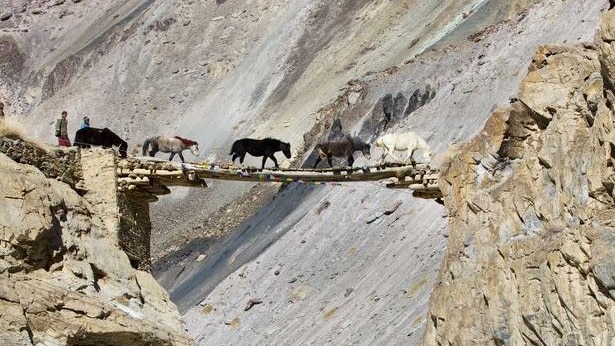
{"x":411,"y":152}
{"x":318,"y":159}
{"x":384,"y":154}
{"x":350,"y":160}
{"x":263,"y":162}
{"x":275,"y":162}
{"x":171,"y":157}
{"x":428,"y":156}
{"x":330,"y":160}
{"x":154,"y":148}
{"x":181,"y":156}
{"x":243,"y":156}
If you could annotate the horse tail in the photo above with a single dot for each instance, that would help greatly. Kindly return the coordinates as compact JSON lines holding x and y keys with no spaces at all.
{"x":423,"y":143}
{"x":146,"y":146}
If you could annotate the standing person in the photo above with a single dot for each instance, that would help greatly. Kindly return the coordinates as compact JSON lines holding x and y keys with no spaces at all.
{"x":85,"y":123}
{"x":1,"y":110}
{"x":62,"y":130}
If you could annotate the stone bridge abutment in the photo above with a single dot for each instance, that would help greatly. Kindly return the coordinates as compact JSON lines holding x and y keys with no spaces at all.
{"x":124,"y":212}
{"x":93,"y":174}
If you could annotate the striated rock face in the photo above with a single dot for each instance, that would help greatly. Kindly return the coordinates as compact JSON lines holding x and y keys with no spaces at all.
{"x":531,"y":256}
{"x":63,"y":280}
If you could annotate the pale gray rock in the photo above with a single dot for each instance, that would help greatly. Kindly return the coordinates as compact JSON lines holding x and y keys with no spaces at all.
{"x":530,"y":253}
{"x":60,"y":268}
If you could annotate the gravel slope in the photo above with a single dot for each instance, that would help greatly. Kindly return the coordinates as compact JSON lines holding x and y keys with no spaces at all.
{"x":218,"y":71}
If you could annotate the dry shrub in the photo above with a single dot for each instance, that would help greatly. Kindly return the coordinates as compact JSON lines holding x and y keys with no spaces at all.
{"x":11,"y":129}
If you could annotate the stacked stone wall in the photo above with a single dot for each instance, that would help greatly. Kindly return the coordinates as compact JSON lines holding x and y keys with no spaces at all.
{"x":135,"y":228}
{"x":55,"y":163}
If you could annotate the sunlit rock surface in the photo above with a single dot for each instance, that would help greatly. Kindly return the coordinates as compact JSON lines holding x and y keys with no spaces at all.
{"x":530,"y":199}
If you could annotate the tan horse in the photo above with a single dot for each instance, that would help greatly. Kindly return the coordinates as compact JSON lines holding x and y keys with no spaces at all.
{"x":407,"y":141}
{"x":173,"y":145}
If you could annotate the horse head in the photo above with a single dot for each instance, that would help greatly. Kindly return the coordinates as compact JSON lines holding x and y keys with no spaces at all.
{"x":366,"y":150}
{"x":379,"y":142}
{"x":320,"y":152}
{"x":285,"y":149}
{"x":358,"y":144}
{"x":123,"y":149}
{"x":194,"y":148}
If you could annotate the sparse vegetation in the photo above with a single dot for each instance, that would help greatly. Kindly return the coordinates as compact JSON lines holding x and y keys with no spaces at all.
{"x":11,"y":129}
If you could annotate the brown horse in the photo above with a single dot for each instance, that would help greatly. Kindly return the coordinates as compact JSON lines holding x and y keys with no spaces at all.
{"x":344,"y":147}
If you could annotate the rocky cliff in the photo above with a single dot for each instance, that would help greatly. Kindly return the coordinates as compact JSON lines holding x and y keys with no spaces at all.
{"x":530,"y":257}
{"x":63,"y":278}
{"x":354,"y":264}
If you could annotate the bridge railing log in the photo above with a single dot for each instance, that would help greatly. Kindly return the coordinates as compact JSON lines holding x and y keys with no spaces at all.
{"x":137,"y":172}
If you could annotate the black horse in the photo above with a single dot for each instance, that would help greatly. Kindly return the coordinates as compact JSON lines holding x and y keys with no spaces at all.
{"x":259,"y":147}
{"x":344,"y":147}
{"x":88,"y":136}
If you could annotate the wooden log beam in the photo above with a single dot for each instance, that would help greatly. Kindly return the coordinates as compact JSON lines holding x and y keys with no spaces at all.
{"x":268,"y":175}
{"x":416,"y":177}
{"x":133,"y":180}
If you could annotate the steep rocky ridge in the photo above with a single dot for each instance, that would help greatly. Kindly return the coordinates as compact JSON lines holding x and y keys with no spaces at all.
{"x":210,"y":71}
{"x":217,"y":72}
{"x":63,"y":280}
{"x":530,"y":201}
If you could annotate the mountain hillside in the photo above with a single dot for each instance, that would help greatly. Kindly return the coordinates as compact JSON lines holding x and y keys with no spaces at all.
{"x":350,"y":264}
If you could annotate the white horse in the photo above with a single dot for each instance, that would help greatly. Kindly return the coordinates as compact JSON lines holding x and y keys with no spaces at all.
{"x":407,"y":141}
{"x":173,"y":145}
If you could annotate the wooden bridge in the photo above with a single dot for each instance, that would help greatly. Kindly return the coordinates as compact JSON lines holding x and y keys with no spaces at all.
{"x":121,"y":189}
{"x":154,"y":175}
{"x":140,"y":180}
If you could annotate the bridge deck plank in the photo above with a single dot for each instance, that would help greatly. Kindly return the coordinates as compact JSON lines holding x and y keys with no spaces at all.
{"x":416,"y":177}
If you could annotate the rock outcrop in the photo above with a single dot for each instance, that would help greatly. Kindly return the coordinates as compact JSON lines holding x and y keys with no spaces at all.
{"x":63,"y":278}
{"x":531,"y":254}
